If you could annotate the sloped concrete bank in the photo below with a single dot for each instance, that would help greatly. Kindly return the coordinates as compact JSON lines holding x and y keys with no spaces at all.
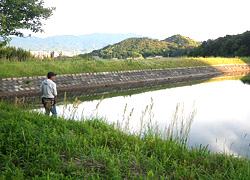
{"x":87,"y":84}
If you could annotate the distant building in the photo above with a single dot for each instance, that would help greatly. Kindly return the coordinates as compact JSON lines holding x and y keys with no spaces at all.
{"x":158,"y":57}
{"x":97,"y":58}
{"x":139,"y":57}
{"x":42,"y":54}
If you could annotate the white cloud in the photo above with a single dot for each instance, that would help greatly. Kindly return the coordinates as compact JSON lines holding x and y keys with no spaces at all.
{"x":197,"y":19}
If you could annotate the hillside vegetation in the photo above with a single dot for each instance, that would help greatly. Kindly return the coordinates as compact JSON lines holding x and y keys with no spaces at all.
{"x":176,"y":45}
{"x":182,"y":41}
{"x":228,"y":46}
{"x":34,"y":146}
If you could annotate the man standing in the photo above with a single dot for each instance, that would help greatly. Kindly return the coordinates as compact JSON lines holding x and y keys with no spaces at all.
{"x":48,"y":89}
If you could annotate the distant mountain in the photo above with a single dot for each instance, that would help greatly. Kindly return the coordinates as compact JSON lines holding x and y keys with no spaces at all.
{"x":176,"y":45}
{"x":84,"y":43}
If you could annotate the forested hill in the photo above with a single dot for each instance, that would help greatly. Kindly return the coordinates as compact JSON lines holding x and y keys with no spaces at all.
{"x":182,"y":41}
{"x":228,"y":46}
{"x":176,"y":45}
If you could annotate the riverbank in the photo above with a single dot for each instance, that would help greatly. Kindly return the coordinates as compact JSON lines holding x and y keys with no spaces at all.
{"x":112,"y":82}
{"x":35,"y":146}
{"x":76,"y":65}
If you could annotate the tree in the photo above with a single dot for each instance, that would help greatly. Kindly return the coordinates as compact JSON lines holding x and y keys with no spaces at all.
{"x":21,"y":14}
{"x":242,"y":51}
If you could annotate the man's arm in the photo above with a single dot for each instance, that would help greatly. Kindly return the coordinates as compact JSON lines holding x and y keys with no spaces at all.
{"x":41,"y":88}
{"x":55,"y":91}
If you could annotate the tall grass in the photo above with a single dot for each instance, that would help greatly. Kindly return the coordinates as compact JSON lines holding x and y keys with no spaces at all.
{"x":180,"y":126}
{"x":34,"y":146}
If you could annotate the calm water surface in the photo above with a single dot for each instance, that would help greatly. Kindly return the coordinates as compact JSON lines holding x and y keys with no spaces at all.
{"x":222,"y":119}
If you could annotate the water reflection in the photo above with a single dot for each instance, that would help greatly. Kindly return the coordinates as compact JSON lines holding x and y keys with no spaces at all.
{"x":222,"y":120}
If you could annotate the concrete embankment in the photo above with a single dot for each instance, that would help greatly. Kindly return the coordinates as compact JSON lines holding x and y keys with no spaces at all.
{"x":86,"y":84}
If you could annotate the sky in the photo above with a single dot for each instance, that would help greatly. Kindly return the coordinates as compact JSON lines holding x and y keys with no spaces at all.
{"x":197,"y":19}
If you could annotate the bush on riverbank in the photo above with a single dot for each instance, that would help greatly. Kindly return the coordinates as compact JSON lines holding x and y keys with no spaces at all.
{"x":34,"y":146}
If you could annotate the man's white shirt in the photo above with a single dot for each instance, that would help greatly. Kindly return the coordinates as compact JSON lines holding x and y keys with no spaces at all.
{"x":48,"y":89}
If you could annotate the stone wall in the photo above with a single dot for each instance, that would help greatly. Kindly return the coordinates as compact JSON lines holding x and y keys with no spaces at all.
{"x":88,"y":84}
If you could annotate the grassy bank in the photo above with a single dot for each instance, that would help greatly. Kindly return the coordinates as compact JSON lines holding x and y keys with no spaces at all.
{"x":78,"y":65}
{"x":34,"y":146}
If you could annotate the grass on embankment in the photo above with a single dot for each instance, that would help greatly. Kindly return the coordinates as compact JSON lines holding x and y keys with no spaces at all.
{"x":78,"y":65}
{"x":34,"y":146}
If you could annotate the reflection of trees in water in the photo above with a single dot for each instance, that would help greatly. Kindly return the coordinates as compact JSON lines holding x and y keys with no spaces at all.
{"x":246,"y":79}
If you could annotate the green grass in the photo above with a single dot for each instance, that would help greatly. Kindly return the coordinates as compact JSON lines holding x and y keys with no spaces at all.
{"x":34,"y":146}
{"x":78,"y":65}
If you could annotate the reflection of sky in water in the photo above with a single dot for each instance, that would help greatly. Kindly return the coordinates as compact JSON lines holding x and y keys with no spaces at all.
{"x":222,"y":119}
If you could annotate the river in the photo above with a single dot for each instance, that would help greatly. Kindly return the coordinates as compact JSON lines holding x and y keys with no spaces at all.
{"x":221,"y":112}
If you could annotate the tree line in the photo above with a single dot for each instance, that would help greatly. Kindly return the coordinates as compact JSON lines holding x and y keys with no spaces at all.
{"x":14,"y":54}
{"x":228,"y":46}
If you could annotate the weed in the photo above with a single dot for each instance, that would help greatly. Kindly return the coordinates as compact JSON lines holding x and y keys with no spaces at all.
{"x":180,"y":126}
{"x":34,"y":146}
